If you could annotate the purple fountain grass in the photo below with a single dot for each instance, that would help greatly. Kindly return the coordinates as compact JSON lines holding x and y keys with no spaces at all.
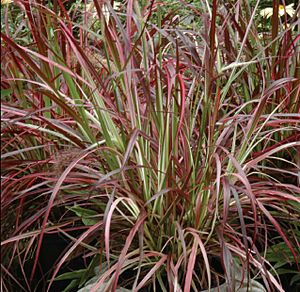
{"x":163,"y":147}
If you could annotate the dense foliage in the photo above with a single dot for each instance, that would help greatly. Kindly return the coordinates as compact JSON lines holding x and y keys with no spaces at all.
{"x":161,"y":139}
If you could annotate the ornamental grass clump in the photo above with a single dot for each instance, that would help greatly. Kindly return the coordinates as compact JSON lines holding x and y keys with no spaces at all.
{"x":167,"y":156}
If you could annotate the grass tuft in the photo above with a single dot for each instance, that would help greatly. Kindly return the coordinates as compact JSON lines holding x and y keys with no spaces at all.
{"x":166,"y":151}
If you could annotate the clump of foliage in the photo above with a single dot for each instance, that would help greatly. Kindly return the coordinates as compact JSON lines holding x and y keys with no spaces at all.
{"x":169,"y":147}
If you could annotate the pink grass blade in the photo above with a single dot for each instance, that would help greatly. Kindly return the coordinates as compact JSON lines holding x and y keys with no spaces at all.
{"x":278,"y":228}
{"x":151,"y":272}
{"x":78,"y":242}
{"x":56,"y":189}
{"x":190,"y":267}
{"x":253,"y":162}
{"x":124,"y":251}
{"x":192,"y":259}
